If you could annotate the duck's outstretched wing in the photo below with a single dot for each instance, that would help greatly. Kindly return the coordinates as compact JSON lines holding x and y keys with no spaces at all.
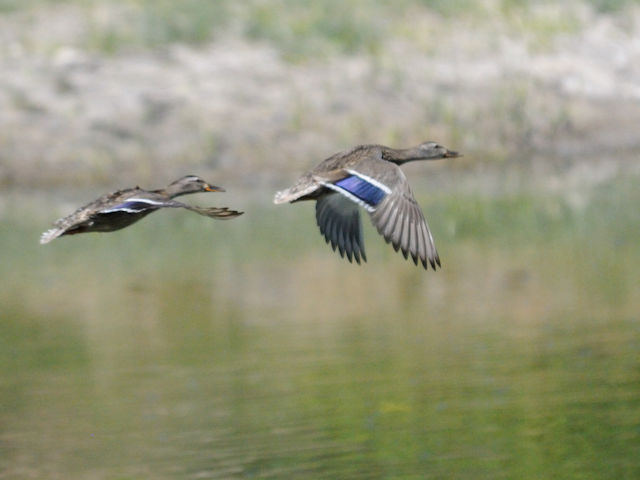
{"x":339,"y":221}
{"x":382,"y":189}
{"x":142,"y":205}
{"x":221,"y":213}
{"x":400,"y":221}
{"x":122,"y":214}
{"x":137,"y":205}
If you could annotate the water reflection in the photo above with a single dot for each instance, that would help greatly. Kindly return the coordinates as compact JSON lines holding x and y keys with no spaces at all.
{"x":248,"y":351}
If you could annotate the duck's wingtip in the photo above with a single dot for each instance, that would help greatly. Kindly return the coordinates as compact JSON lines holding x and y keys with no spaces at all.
{"x":225,"y":213}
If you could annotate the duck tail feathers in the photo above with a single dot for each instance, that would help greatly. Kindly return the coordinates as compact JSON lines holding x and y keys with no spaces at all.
{"x":51,"y":234}
{"x":294,"y":193}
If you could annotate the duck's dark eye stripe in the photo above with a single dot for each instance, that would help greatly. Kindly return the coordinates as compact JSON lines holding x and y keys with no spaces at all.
{"x":365,"y":191}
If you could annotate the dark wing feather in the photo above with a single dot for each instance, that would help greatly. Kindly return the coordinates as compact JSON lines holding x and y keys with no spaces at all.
{"x":400,"y":221}
{"x":339,"y":222}
{"x":135,"y":205}
{"x":221,"y":213}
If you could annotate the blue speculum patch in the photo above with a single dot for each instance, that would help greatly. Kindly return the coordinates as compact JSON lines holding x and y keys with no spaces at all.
{"x":132,"y":206}
{"x":365,"y":191}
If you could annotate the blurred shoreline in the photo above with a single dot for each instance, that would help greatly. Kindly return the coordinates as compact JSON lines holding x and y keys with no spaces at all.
{"x":547,"y":92}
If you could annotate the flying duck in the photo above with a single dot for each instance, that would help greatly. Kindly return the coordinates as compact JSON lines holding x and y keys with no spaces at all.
{"x":120,"y":209}
{"x":369,"y":176}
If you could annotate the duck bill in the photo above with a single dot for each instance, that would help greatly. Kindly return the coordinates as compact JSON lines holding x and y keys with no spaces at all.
{"x":452,"y":154}
{"x":213,"y":188}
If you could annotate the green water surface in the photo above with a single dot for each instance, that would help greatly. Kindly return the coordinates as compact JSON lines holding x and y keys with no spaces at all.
{"x":187,"y":348}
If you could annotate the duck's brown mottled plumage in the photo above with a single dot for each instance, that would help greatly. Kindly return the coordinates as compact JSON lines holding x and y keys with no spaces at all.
{"x":122,"y":208}
{"x":369,"y":176}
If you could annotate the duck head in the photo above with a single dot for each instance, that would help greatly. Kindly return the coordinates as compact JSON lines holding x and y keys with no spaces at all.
{"x":432,"y":151}
{"x":190,"y":184}
{"x":424,"y":151}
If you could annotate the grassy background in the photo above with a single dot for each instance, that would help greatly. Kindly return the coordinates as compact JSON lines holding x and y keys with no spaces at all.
{"x":297,"y":29}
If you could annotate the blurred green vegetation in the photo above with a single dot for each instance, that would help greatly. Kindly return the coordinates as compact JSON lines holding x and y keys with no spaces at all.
{"x":152,"y":24}
{"x":300,"y":30}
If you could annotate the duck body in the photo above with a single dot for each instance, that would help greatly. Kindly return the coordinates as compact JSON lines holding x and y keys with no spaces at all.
{"x":369,"y":176}
{"x":117,"y":210}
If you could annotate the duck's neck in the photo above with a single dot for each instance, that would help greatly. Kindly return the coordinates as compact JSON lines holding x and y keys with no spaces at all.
{"x":172,"y":191}
{"x":402,"y":155}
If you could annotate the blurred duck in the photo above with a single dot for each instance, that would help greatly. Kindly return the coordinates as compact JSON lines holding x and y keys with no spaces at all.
{"x":120,"y":209}
{"x":369,"y":176}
